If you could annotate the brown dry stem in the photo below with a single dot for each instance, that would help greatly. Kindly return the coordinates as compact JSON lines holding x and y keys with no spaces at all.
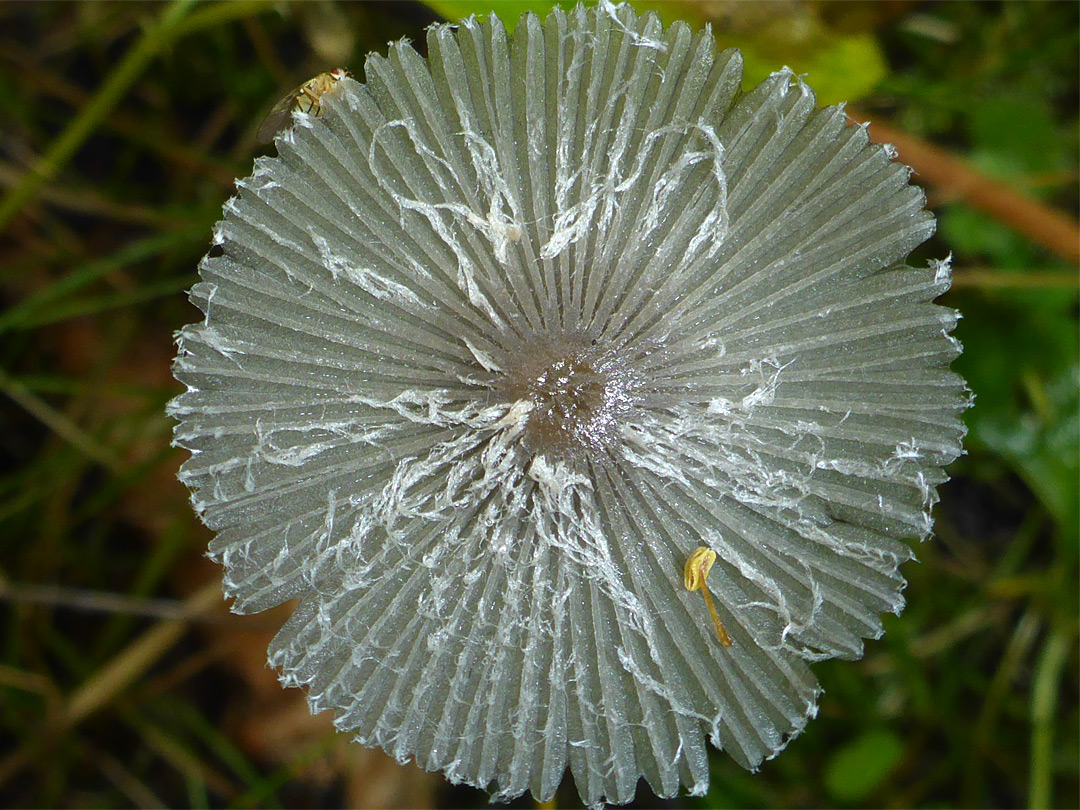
{"x":1053,"y":229}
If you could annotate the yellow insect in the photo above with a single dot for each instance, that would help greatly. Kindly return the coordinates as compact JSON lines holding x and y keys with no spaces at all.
{"x":306,"y":98}
{"x":697,"y":570}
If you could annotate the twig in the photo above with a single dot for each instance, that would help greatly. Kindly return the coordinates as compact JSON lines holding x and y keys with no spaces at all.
{"x":1052,"y":229}
{"x":103,"y":602}
{"x":107,"y":683}
{"x":60,"y":424}
{"x":1036,"y":278}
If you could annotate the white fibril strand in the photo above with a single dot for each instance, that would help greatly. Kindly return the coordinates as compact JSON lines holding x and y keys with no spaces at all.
{"x":598,"y":210}
{"x":432,"y":212}
{"x":483,"y":463}
{"x":791,"y":619}
{"x":587,"y":197}
{"x":612,"y":10}
{"x":366,"y":278}
{"x":303,"y":447}
{"x":712,"y":448}
{"x":499,"y":222}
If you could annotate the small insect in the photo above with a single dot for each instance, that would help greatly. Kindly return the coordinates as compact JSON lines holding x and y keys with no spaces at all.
{"x":697,"y":570}
{"x":306,"y":98}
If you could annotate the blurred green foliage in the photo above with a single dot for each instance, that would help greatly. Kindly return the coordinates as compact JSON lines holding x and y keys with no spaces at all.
{"x":859,"y":768}
{"x":123,"y":128}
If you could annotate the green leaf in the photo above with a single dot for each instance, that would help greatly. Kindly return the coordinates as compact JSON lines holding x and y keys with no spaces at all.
{"x":974,"y":235}
{"x":847,"y":69}
{"x":1042,"y":445}
{"x":1023,"y":368}
{"x":509,"y":11}
{"x":839,"y":67}
{"x":857,"y":769}
{"x":1021,"y":129}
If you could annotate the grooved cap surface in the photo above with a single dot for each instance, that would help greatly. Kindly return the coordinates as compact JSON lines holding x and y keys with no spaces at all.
{"x":503,"y":336}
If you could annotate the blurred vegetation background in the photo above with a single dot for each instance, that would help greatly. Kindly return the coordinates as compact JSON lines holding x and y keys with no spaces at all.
{"x":124,"y":681}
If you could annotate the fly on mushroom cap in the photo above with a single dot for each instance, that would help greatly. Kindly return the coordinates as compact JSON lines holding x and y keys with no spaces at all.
{"x":506,"y":334}
{"x":307,"y":98}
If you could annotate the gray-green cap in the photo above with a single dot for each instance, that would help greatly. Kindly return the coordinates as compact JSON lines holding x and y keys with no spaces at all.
{"x":506,"y":333}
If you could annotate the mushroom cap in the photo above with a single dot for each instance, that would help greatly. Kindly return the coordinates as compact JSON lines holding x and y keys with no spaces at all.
{"x":503,"y":335}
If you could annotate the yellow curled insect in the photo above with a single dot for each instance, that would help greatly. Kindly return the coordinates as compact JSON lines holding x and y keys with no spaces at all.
{"x":306,"y":98}
{"x":695,"y":573}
